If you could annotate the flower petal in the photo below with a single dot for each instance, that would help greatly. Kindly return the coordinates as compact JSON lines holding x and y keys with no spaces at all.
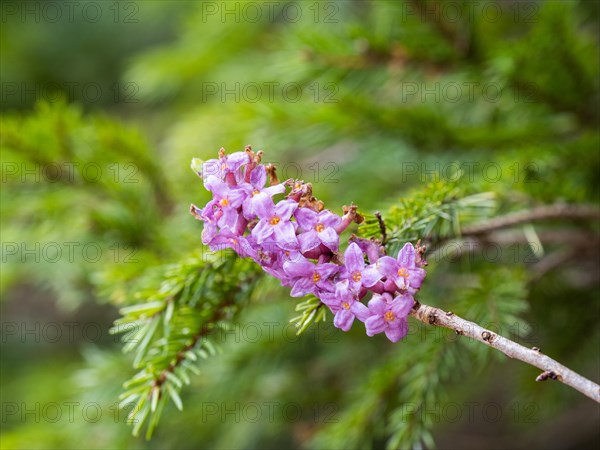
{"x":263,"y":206}
{"x":329,"y":238}
{"x":370,"y":276}
{"x":416,"y":277}
{"x":302,"y":287}
{"x":353,"y":258}
{"x":262,"y":231}
{"x":329,"y":219}
{"x":306,"y":218}
{"x":343,"y":319}
{"x":308,"y":240}
{"x":258,"y":176}
{"x":236,"y":159}
{"x":299,"y":268}
{"x":236,"y":197}
{"x":360,"y":311}
{"x":388,"y":266}
{"x":272,"y":190}
{"x":285,"y":236}
{"x":285,"y":208}
{"x":377,"y":305}
{"x":327,"y":269}
{"x":406,"y":257}
{"x":375,"y":325}
{"x":397,"y":332}
{"x":402,"y":305}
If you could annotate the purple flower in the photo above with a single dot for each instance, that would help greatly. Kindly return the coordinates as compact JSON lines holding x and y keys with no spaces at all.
{"x":355,"y":271}
{"x":255,"y":197}
{"x":275,"y":221}
{"x":226,"y":239}
{"x":226,"y":164}
{"x":343,"y":303}
{"x":387,"y":315}
{"x":308,"y":277}
{"x":318,"y":227}
{"x":209,"y":216}
{"x":403,"y":271}
{"x":225,"y":204}
{"x":255,"y":188}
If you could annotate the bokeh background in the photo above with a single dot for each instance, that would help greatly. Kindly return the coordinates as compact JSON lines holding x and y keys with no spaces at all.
{"x":105,"y":103}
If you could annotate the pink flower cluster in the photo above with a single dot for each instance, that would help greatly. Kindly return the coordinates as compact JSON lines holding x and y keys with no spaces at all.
{"x":297,"y":241}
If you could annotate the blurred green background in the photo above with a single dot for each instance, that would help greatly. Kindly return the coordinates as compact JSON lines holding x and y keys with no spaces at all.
{"x":105,"y":103}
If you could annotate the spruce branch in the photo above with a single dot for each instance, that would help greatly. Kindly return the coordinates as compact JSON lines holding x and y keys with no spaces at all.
{"x":551,"y":368}
{"x":556,"y":211}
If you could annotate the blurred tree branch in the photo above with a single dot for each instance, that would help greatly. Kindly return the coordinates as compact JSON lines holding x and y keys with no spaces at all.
{"x":556,"y":211}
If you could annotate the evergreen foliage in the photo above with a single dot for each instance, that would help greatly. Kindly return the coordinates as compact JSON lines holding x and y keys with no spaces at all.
{"x":431,"y":165}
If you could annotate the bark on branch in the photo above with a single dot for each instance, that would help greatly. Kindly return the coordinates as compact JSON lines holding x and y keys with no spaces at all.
{"x":551,"y":368}
{"x":556,"y":211}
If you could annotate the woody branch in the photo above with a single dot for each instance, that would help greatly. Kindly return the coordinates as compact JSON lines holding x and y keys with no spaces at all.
{"x":551,"y":368}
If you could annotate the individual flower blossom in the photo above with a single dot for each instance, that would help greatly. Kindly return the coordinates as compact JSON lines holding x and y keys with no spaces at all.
{"x":386,"y":315}
{"x":275,"y":222}
{"x":343,"y":304}
{"x":403,"y":271}
{"x":318,"y":227}
{"x":224,"y":165}
{"x":308,"y":277}
{"x":255,"y":188}
{"x":225,"y":204}
{"x":207,"y":215}
{"x":272,"y":258}
{"x":227,"y":239}
{"x":355,"y":270}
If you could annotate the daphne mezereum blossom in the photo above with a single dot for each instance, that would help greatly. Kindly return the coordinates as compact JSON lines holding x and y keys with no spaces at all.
{"x":385,"y":314}
{"x":275,"y":222}
{"x":343,"y":303}
{"x":403,"y":271}
{"x":356,"y":271}
{"x":296,"y":240}
{"x":318,"y":228}
{"x":308,"y":277}
{"x":224,"y":165}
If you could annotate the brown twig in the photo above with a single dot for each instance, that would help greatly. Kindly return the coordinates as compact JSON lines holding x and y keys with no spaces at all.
{"x":381,"y":228}
{"x":551,"y":368}
{"x":557,"y":211}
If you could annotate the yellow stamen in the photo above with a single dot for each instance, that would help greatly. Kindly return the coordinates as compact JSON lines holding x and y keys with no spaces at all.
{"x":274,"y":220}
{"x":255,"y":192}
{"x":403,"y":272}
{"x":389,"y":316}
{"x":224,"y":202}
{"x":319,"y":227}
{"x":346,"y":305}
{"x":316,"y":277}
{"x":356,"y":276}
